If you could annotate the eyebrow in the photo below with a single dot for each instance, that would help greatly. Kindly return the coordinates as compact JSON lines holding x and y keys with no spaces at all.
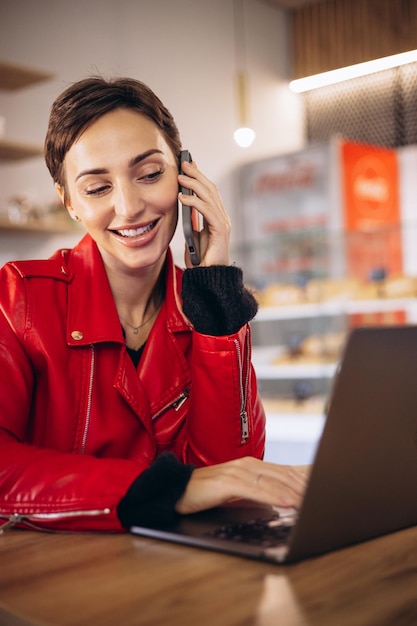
{"x":134,"y":161}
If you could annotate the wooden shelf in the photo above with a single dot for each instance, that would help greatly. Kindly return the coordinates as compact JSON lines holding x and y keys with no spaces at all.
{"x":12,"y":151}
{"x":14,"y":77}
{"x":52,"y":225}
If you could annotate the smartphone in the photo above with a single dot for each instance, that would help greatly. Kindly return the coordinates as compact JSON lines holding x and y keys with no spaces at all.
{"x":192,"y":220}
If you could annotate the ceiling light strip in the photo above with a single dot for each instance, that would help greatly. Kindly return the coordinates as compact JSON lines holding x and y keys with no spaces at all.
{"x":352,"y":71}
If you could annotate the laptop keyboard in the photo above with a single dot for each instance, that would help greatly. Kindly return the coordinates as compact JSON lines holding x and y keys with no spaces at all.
{"x":266,"y":532}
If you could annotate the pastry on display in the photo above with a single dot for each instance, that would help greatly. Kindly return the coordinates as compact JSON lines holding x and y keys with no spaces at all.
{"x":318,"y":290}
{"x":321,"y":348}
{"x":280,"y":295}
{"x":330,"y":289}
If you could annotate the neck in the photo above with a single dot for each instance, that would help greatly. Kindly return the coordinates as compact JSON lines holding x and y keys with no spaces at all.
{"x":138,"y":297}
{"x":133,"y":289}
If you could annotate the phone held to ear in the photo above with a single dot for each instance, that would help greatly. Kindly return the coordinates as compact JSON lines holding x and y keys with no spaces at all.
{"x":192,"y":220}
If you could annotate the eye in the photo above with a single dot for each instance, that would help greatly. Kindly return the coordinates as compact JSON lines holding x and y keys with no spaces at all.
{"x":97,"y":191}
{"x":152,"y":176}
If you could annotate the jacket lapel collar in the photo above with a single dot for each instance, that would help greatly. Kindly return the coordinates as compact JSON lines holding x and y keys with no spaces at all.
{"x":92,"y":314}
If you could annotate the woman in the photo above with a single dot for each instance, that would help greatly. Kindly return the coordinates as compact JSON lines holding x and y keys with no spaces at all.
{"x":127,"y":392}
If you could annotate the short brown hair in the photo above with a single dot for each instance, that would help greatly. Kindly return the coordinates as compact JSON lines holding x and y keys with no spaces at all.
{"x":87,"y":100}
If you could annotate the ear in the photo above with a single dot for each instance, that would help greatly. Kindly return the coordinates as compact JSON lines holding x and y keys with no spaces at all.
{"x":61,"y":193}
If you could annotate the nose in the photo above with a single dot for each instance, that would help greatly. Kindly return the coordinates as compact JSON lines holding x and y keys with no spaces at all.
{"x":128,"y":202}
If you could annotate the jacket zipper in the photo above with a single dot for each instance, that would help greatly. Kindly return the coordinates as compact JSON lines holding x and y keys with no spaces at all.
{"x":18,"y":518}
{"x":89,"y":401}
{"x":244,"y":368}
{"x":176,"y":404}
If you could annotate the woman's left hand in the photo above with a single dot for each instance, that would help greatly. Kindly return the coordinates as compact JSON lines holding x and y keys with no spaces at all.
{"x":215,"y":237}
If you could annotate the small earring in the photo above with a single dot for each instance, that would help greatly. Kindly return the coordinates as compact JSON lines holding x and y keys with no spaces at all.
{"x":76,"y":218}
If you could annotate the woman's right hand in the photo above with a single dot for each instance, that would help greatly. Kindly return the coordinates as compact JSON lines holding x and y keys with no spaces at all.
{"x":215,"y":237}
{"x":247,"y":478}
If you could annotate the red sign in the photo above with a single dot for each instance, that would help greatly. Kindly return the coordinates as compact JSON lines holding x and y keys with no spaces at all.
{"x":370,"y":188}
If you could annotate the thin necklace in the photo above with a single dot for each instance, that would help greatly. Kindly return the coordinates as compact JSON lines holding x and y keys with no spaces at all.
{"x":136,"y":328}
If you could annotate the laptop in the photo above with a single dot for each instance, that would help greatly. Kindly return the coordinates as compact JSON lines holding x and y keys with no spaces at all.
{"x":363,"y":481}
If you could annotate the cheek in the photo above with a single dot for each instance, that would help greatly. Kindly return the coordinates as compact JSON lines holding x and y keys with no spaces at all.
{"x":167,"y":201}
{"x":174,"y":216}
{"x":92,"y":210}
{"x":171,"y":211}
{"x":93,"y":215}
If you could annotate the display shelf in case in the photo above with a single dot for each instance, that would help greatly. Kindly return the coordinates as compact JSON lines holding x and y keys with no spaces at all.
{"x":277,"y":329}
{"x":264,"y":357}
{"x":295,"y":367}
{"x":330,"y":309}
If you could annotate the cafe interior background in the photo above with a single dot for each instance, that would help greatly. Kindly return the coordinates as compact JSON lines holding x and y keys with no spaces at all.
{"x":322,"y":202}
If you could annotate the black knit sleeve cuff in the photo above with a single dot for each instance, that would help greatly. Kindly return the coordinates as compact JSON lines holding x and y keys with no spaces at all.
{"x":151,"y":498}
{"x":215,"y":299}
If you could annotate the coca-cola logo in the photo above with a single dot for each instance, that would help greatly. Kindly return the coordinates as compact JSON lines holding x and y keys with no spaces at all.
{"x":370,"y":187}
{"x":298,"y":176}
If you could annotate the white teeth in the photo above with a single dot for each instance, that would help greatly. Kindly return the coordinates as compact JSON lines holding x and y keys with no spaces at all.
{"x":134,"y":232}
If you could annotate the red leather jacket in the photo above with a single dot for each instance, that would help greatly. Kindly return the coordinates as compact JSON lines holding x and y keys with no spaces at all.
{"x":78,"y":422}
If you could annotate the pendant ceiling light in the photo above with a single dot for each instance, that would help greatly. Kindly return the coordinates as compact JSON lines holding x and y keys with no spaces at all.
{"x":244,"y":135}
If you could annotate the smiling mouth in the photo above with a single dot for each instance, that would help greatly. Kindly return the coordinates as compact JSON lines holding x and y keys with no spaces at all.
{"x":136,"y":232}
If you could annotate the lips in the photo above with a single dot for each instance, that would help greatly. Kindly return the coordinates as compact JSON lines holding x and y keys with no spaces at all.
{"x":135,"y":232}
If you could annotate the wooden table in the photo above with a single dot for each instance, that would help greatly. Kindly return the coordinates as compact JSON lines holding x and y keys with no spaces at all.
{"x":121,"y":580}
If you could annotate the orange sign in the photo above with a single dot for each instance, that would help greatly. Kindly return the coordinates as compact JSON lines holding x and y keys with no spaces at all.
{"x":371,"y":206}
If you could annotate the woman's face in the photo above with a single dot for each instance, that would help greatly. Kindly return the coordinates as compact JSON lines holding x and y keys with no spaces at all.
{"x":121,"y":181}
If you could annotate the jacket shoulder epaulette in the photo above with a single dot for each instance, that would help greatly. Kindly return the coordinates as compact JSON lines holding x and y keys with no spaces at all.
{"x":42,"y":268}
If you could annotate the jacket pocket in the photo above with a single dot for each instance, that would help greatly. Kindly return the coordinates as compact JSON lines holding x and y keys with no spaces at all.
{"x":170,"y":421}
